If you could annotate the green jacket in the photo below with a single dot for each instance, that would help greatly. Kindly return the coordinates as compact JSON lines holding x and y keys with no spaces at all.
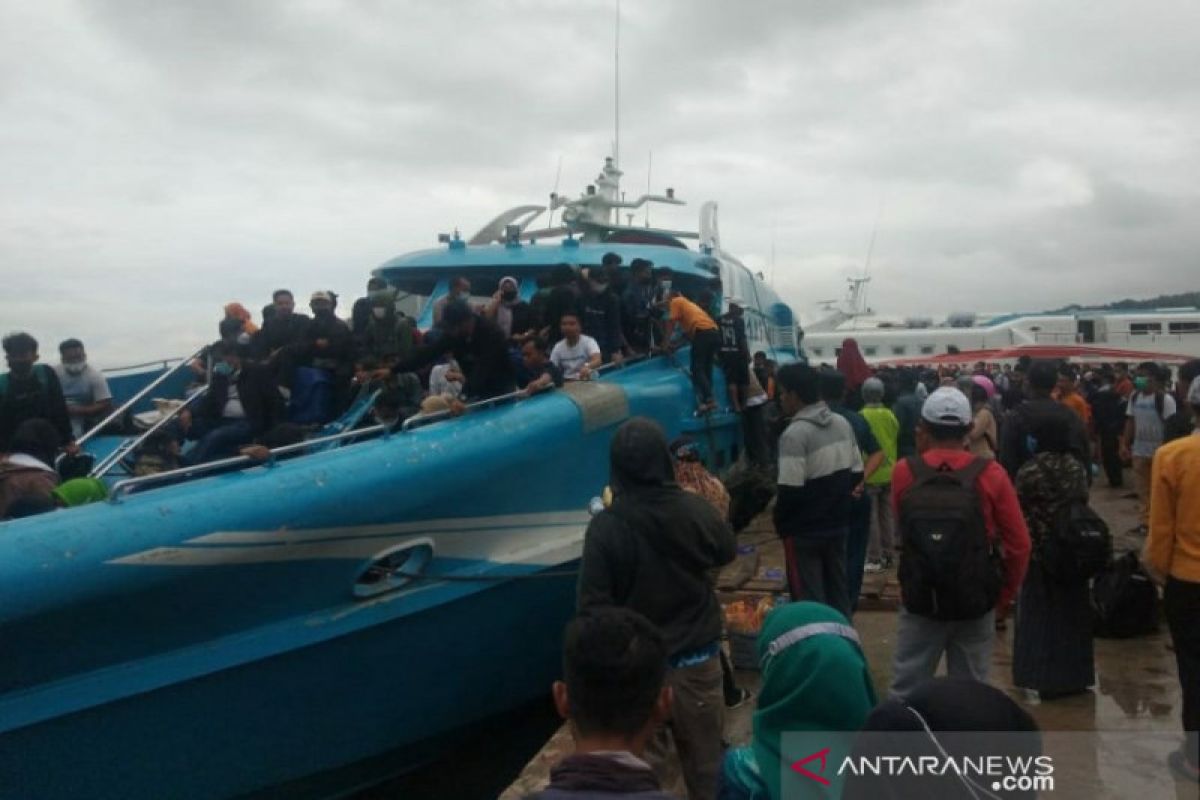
{"x":886,"y":428}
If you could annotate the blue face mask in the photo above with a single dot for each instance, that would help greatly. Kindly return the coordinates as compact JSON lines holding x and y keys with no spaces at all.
{"x":222,"y":368}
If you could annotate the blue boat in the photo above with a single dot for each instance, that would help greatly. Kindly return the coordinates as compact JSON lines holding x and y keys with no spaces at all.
{"x":323,"y":620}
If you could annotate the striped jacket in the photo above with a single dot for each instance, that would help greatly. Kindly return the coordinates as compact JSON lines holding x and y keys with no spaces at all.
{"x":818,"y":459}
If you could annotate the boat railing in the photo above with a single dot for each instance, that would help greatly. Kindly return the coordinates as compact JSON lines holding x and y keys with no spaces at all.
{"x":123,"y":487}
{"x":129,"y":445}
{"x":161,"y":363}
{"x":421,"y":420}
{"x":128,"y":404}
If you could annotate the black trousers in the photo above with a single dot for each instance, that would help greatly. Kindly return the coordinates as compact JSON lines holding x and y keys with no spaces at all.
{"x":1110,"y":457}
{"x":754,"y":436}
{"x":705,"y":345}
{"x":816,"y":570}
{"x":1181,"y":600}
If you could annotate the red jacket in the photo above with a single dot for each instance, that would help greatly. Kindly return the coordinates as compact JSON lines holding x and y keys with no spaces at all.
{"x":1001,"y":512}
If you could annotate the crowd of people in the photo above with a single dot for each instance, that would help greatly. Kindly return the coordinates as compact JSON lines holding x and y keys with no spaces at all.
{"x":272,"y":383}
{"x":974,"y":481}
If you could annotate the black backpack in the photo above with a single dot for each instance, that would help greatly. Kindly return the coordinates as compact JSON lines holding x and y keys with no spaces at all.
{"x":949,"y":567}
{"x":1124,"y":600}
{"x":1078,"y":547}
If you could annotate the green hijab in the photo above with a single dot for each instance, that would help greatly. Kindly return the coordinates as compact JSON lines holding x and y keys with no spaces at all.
{"x":80,"y":491}
{"x":814,"y":678}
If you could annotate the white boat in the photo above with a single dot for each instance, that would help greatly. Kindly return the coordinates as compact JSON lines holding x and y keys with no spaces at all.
{"x":1164,"y":334}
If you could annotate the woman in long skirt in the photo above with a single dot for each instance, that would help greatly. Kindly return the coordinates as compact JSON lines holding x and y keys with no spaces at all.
{"x":1052,"y":651}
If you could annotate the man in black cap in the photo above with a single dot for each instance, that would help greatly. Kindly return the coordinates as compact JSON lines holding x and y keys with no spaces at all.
{"x":651,"y":551}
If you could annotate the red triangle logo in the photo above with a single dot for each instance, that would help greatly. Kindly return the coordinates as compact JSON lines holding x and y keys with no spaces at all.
{"x":822,"y":755}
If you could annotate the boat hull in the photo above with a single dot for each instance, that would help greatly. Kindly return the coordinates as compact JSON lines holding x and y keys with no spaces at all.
{"x":206,"y":640}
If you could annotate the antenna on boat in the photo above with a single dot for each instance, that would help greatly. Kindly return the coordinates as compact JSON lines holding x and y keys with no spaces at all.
{"x":554,"y":194}
{"x":617,"y":89}
{"x":649,"y":169}
{"x":866,"y":279}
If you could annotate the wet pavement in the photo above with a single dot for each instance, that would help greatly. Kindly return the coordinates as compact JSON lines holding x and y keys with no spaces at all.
{"x":1110,"y":742}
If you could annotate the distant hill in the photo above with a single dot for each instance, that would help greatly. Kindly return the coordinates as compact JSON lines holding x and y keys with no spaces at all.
{"x":1162,"y":301}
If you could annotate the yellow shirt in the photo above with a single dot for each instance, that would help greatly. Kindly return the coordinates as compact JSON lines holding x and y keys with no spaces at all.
{"x":690,"y":316}
{"x":1173,"y":547}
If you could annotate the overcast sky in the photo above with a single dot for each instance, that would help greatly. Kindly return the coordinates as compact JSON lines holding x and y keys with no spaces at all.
{"x":161,"y":158}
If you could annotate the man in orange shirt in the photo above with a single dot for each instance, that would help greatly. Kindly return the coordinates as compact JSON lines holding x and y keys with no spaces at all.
{"x":698,"y":326}
{"x":1069,"y":396}
{"x":1173,"y":554}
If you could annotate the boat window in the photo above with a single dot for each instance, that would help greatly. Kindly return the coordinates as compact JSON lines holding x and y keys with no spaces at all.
{"x":899,"y":351}
{"x":817,"y":351}
{"x":927,"y":349}
{"x":1143,"y":328}
{"x":1183,"y":327}
{"x":870,"y":350}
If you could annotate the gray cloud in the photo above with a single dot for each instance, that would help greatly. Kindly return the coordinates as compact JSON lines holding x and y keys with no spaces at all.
{"x":162,"y":158}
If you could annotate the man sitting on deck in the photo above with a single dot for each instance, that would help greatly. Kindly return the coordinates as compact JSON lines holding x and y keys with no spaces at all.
{"x":242,"y":402}
{"x":614,"y":696}
{"x":84,"y":387}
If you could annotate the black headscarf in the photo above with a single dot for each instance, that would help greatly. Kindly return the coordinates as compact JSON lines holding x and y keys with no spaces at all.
{"x":945,"y":706}
{"x":639,"y":457}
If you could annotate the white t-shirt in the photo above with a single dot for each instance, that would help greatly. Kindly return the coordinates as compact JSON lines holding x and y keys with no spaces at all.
{"x":233,"y":402}
{"x":438,"y":385}
{"x":570,"y":359}
{"x":85,"y":388}
{"x":1147,"y":424}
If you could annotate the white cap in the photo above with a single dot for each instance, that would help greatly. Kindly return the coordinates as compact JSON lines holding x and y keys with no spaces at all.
{"x":1193,"y":397}
{"x":947,"y":406}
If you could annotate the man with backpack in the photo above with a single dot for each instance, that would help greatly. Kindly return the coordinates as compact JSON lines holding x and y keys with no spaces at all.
{"x":965,"y":548}
{"x":1149,"y":407}
{"x":30,"y":391}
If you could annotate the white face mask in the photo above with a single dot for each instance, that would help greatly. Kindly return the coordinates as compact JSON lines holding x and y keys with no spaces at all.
{"x":379,"y":313}
{"x":75,"y":368}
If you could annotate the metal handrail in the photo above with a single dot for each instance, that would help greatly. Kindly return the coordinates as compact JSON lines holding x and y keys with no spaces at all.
{"x":142,"y":393}
{"x":114,"y":458}
{"x":164,"y":362}
{"x":121,"y":487}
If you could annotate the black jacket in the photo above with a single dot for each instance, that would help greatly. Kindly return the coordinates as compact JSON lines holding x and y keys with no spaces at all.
{"x":601,"y":318}
{"x":338,"y":353}
{"x":256,"y":389}
{"x":35,"y":395}
{"x":1041,"y":414}
{"x":483,"y":358}
{"x":281,"y":332}
{"x":652,"y":551}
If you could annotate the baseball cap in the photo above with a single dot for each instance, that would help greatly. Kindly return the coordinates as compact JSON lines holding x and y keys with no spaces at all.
{"x":947,"y":406}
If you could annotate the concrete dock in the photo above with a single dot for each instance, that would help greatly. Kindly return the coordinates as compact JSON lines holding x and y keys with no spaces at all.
{"x":1137,"y":688}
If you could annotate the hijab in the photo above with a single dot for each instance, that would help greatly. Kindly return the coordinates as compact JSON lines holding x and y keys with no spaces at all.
{"x":238,"y":311}
{"x":639,"y":457}
{"x":851,"y":364}
{"x":929,"y":716}
{"x":814,"y":678}
{"x":504,"y":309}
